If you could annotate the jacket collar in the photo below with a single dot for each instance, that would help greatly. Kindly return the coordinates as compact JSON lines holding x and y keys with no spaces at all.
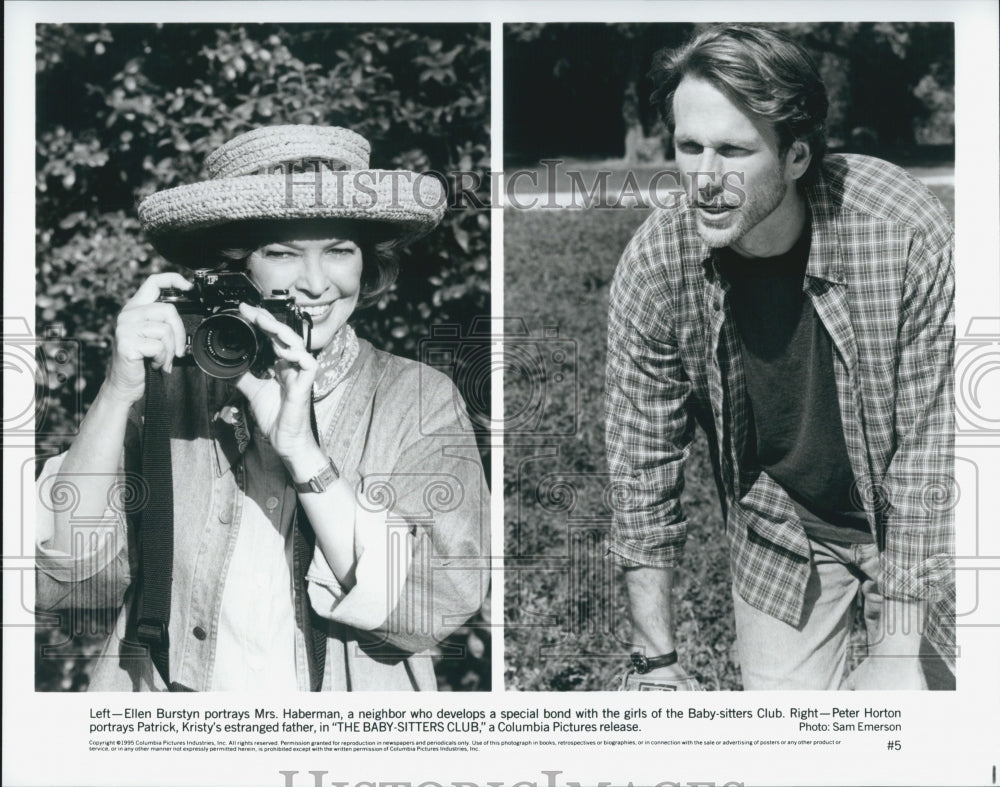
{"x":230,"y":427}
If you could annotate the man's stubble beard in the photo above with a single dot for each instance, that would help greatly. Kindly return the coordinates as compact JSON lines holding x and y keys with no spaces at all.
{"x":757,"y":205}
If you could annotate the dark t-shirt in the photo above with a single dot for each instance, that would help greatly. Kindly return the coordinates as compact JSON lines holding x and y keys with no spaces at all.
{"x":797,"y":435}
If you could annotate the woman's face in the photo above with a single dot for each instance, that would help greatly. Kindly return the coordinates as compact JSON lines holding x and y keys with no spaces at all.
{"x":322,"y":274}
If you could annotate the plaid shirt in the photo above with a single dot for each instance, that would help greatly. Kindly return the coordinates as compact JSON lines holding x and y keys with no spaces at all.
{"x":881,"y":280}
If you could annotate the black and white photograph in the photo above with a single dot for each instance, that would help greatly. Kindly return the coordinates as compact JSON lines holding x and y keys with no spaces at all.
{"x":254,"y":483}
{"x":744,"y":480}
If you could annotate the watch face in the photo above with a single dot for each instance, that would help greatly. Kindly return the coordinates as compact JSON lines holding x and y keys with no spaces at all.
{"x":328,"y":476}
{"x":640,"y":662}
{"x":321,"y":481}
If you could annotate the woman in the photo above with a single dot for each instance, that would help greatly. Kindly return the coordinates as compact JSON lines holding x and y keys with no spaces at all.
{"x":329,"y":513}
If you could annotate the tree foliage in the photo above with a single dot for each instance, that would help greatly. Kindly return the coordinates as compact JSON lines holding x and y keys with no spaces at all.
{"x":891,"y":84}
{"x":579,"y":89}
{"x":582,"y":89}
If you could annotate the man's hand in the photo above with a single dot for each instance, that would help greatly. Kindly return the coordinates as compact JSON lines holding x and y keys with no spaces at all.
{"x":652,"y":609}
{"x":649,"y":594}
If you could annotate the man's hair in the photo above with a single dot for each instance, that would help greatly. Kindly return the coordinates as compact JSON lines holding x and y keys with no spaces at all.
{"x":763,"y":72}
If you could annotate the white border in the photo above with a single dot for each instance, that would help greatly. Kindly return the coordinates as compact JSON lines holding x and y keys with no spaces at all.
{"x":950,"y":738}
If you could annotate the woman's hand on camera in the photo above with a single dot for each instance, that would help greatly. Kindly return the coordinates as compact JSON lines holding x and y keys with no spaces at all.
{"x":280,"y":405}
{"x":145,"y":329}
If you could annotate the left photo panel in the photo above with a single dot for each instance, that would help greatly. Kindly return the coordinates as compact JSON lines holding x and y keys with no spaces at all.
{"x":262,"y":357}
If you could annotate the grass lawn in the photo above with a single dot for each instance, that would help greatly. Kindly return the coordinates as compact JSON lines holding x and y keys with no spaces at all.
{"x":566,"y":619}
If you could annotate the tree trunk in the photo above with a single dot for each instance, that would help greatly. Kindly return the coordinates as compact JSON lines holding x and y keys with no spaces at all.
{"x":634,"y":135}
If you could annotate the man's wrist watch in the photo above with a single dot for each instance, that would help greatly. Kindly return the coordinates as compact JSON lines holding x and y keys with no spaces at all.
{"x":642,"y":664}
{"x":320,"y":482}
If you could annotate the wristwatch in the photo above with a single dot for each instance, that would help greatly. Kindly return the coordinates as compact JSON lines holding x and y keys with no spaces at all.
{"x":321,"y":481}
{"x":642,"y":665}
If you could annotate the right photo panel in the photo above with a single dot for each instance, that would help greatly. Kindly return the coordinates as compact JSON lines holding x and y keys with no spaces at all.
{"x":729,"y":341}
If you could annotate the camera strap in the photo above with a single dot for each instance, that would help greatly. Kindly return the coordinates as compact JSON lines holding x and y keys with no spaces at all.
{"x":151,"y":610}
{"x":314,"y":627}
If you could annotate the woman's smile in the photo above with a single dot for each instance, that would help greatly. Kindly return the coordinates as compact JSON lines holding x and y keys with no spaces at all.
{"x":323,"y":275}
{"x":316,"y":310}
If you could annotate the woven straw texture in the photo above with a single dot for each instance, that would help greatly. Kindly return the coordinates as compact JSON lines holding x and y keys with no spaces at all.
{"x":415,"y":202}
{"x":243,"y":186}
{"x":266,"y":148}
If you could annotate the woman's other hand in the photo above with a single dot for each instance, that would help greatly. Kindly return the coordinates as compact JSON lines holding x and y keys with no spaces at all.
{"x":280,"y":404}
{"x":145,"y":329}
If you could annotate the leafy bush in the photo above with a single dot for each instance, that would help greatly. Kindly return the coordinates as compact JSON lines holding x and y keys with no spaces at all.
{"x":583,"y":89}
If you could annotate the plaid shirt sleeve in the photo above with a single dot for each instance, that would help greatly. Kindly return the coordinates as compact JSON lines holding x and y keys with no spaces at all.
{"x":917,"y":488}
{"x":649,"y":430}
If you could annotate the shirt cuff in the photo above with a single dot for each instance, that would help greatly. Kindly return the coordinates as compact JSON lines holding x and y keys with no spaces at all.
{"x":384,"y":552}
{"x":654,"y":554}
{"x":907,"y":575}
{"x":95,"y":544}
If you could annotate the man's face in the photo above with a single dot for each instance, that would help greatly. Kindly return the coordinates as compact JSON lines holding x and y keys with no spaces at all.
{"x":741,"y":190}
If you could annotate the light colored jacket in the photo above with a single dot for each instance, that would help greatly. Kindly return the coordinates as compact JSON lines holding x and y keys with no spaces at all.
{"x":399,"y":436}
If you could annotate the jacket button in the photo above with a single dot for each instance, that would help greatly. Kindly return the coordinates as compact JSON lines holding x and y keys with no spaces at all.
{"x":199,"y":632}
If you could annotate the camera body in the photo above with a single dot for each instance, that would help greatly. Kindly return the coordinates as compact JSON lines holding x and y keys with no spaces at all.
{"x":220,"y":340}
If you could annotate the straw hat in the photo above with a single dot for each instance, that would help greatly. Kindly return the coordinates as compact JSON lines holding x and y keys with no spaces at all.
{"x":292,"y":172}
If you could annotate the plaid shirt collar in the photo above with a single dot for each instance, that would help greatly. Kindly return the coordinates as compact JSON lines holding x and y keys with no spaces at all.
{"x":825,"y":261}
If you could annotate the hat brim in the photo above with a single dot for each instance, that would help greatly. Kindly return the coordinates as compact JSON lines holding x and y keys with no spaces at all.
{"x":398,"y":205}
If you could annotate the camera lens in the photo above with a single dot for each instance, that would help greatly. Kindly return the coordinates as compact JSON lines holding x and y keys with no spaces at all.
{"x":225,"y":345}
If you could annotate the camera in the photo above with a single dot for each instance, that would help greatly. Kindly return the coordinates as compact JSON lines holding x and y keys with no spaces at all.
{"x":222,"y":342}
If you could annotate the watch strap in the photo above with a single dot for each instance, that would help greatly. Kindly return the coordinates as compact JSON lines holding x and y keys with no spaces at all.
{"x":643,"y":664}
{"x":320,"y":482}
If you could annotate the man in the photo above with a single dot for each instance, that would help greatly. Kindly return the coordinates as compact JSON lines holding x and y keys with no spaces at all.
{"x":799,"y":307}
